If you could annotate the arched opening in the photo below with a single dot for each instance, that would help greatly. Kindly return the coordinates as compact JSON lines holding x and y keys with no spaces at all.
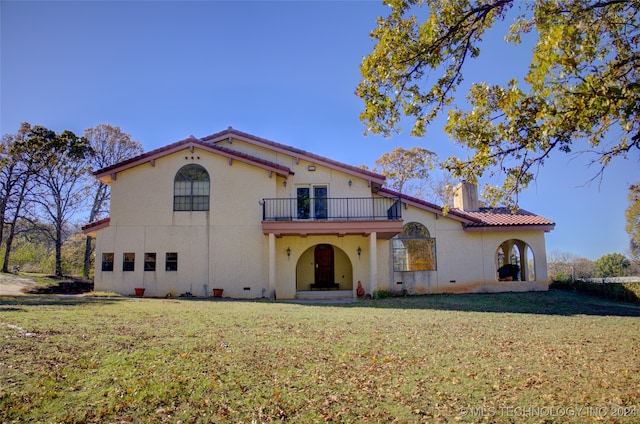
{"x":414,"y":249}
{"x":515,"y":261}
{"x":324,"y":267}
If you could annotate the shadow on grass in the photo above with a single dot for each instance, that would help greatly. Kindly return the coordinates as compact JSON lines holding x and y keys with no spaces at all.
{"x":14,"y":303}
{"x":552,"y":302}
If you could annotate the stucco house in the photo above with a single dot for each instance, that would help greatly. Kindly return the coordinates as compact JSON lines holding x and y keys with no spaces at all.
{"x":257,"y":218}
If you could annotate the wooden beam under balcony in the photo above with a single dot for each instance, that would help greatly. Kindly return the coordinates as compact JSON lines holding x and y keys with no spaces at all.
{"x":384,"y":229}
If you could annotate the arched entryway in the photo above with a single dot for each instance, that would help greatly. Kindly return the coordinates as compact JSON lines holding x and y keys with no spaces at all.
{"x":324,"y":267}
{"x":515,"y":261}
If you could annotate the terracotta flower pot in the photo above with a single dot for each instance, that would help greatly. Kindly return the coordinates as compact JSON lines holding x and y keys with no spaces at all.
{"x":139,"y":291}
{"x":217,"y":292}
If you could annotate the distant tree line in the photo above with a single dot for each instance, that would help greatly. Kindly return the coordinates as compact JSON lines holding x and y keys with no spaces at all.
{"x":563,"y":266}
{"x":47,"y":192}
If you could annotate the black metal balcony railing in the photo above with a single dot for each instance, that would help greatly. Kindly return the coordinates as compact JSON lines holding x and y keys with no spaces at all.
{"x":328,"y":208}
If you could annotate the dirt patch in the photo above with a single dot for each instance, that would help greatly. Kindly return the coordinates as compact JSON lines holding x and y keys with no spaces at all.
{"x":13,"y":285}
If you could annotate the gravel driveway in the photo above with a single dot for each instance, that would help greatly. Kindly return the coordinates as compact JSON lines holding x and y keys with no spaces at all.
{"x":12,"y":285}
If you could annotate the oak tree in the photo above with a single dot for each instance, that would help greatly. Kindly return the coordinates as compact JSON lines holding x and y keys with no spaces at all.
{"x":403,"y":165}
{"x":581,"y":92}
{"x":61,"y":183}
{"x":23,"y":158}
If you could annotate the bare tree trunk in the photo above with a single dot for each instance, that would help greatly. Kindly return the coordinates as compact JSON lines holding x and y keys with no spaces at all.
{"x":58,"y":251}
{"x":7,"y":251}
{"x":88,"y":249}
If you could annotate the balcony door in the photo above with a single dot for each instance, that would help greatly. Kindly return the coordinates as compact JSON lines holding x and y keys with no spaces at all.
{"x":320,"y":202}
{"x":312,"y":202}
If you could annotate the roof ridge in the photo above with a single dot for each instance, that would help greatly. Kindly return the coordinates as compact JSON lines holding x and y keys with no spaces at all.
{"x":301,"y":152}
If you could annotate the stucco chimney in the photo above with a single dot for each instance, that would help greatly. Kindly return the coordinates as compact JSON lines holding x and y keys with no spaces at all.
{"x":465,"y":197}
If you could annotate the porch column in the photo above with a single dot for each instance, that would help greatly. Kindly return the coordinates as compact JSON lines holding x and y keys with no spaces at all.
{"x":272,"y":266}
{"x":524,"y":266}
{"x":373,"y":262}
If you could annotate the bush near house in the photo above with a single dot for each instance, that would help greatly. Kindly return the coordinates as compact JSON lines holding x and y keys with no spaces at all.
{"x":625,"y":292}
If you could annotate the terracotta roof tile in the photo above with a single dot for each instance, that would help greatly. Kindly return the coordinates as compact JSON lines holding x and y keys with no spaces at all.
{"x":504,"y":217}
{"x":484,"y":219}
{"x":96,"y":225}
{"x":190,"y":141}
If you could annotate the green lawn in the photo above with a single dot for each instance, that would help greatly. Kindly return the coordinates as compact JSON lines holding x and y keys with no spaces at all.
{"x":534,"y":357}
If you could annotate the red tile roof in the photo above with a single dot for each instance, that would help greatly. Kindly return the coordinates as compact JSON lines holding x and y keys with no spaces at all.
{"x":191,"y":142}
{"x":504,"y":217}
{"x":485,"y":219}
{"x":96,"y":225}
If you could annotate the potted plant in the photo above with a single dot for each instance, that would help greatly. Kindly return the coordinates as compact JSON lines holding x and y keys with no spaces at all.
{"x":139,"y":291}
{"x":217,"y":292}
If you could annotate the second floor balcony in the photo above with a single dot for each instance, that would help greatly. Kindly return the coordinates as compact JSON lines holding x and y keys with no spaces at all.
{"x":337,"y":216}
{"x":332,"y":209}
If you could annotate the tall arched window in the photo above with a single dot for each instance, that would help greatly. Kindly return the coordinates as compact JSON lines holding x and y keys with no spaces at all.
{"x":191,"y":189}
{"x":414,"y":249}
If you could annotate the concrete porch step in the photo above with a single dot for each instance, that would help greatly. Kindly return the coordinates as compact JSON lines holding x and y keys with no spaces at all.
{"x":324,"y":294}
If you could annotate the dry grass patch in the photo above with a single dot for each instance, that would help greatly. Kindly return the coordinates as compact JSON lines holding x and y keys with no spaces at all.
{"x":414,"y":359}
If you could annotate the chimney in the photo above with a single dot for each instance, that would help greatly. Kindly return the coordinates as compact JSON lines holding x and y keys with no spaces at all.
{"x":465,"y":197}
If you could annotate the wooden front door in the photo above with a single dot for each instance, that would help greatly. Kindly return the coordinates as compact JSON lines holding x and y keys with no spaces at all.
{"x":324,"y":266}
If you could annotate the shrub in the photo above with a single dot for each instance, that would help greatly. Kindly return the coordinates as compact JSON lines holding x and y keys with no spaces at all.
{"x":626,"y":292}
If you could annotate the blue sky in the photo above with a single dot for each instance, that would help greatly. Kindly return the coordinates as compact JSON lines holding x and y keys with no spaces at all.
{"x":285,"y":71}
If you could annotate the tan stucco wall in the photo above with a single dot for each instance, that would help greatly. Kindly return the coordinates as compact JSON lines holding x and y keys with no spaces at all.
{"x":226,"y":247}
{"x":337,"y":182}
{"x":223,"y":247}
{"x":465,"y":260}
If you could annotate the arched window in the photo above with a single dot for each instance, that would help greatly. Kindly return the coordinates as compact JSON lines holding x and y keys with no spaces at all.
{"x":191,"y":189}
{"x":414,"y":249}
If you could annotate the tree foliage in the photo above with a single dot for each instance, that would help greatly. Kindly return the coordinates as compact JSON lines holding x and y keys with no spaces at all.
{"x":45,"y":185}
{"x":402,"y":165}
{"x":24,"y":156}
{"x":611,"y":265}
{"x":633,"y":220}
{"x":62,"y":185}
{"x":582,"y":83}
{"x":40,"y":179}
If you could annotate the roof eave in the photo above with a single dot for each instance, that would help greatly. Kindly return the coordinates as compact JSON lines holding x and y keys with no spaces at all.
{"x":106,"y":175}
{"x":92,"y":228}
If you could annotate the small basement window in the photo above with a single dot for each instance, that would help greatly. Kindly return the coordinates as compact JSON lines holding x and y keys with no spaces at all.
{"x":107,"y":261}
{"x":149,"y":261}
{"x":128,"y":261}
{"x":171,"y":261}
